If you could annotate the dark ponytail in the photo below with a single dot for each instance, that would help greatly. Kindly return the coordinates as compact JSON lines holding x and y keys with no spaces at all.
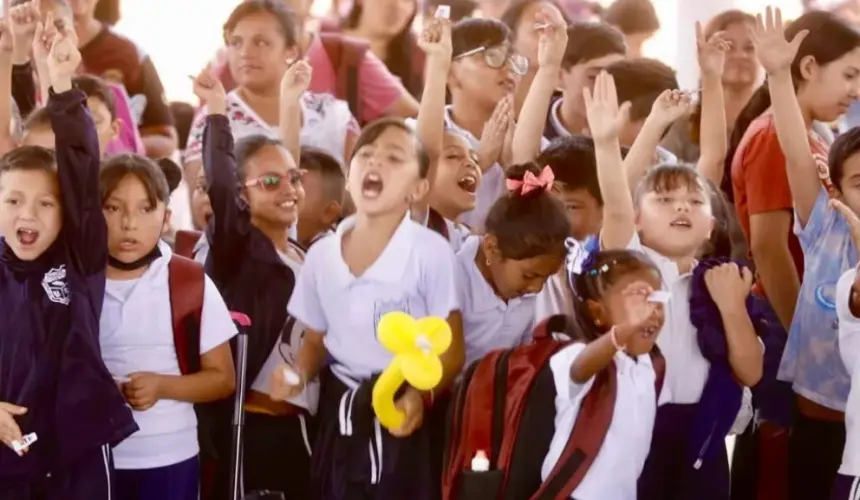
{"x":758,"y":104}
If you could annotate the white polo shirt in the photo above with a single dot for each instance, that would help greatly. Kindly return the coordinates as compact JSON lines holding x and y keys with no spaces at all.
{"x":137,"y":336}
{"x":414,"y":274}
{"x":849,"y":348}
{"x":489,"y":323}
{"x":286,"y":350}
{"x":686,"y":368}
{"x":615,"y":470}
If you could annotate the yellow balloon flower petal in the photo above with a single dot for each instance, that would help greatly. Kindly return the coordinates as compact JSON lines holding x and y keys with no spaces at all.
{"x":397,"y":331}
{"x":423,"y":372}
{"x":438,"y":333}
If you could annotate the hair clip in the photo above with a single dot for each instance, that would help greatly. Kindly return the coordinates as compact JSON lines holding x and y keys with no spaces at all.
{"x":576,"y":255}
{"x":532,"y":182}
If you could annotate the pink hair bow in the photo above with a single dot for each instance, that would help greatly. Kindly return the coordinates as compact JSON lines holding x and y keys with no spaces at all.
{"x":531,"y":182}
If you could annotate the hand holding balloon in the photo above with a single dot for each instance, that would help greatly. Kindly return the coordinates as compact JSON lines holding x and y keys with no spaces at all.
{"x":417,"y":345}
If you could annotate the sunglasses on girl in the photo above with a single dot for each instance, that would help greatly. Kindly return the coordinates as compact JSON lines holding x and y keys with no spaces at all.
{"x":272,"y":182}
{"x":496,"y":57}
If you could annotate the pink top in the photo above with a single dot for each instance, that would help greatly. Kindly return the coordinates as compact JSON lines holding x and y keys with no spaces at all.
{"x":128,"y":140}
{"x":379,"y":88}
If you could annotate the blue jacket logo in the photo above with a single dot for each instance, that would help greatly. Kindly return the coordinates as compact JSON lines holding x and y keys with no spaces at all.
{"x":55,"y":285}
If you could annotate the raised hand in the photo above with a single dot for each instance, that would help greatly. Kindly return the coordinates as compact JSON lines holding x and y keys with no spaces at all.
{"x":711,"y":52}
{"x":435,"y":40}
{"x":23,"y":19}
{"x":64,"y":59}
{"x":295,"y":81}
{"x":773,"y":51}
{"x":605,"y":117}
{"x":729,"y":285}
{"x":493,"y":135}
{"x":552,"y":40}
{"x":208,"y":89}
{"x":670,"y":106}
{"x":642,"y":317}
{"x":43,"y":40}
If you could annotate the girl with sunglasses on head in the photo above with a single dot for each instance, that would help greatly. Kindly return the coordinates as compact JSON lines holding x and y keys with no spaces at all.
{"x":255,"y":191}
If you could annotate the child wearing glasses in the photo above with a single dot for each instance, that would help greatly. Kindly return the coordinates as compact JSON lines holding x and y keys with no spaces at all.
{"x":484,"y":75}
{"x":255,"y":191}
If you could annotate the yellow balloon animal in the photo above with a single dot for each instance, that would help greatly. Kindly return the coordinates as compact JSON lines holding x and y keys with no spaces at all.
{"x":417,"y":345}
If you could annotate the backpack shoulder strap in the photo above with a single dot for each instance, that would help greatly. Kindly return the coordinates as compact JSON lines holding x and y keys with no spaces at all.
{"x":436,"y":222}
{"x":184,"y":242}
{"x":659,"y":364}
{"x":186,"y":281}
{"x":589,"y":431}
{"x":346,"y":55}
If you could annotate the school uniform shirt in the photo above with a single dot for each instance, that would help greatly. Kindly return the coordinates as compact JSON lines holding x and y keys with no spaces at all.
{"x":326,"y":124}
{"x":457,"y":233}
{"x":49,"y":353}
{"x":616,"y":468}
{"x":287,"y":350}
{"x":413,"y":274}
{"x":811,"y":360}
{"x":492,"y":184}
{"x":489,"y":323}
{"x":686,"y":368}
{"x":137,"y":336}
{"x":849,"y":347}
{"x":554,"y":298}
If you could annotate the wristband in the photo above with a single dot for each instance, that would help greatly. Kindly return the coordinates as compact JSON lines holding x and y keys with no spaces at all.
{"x":614,"y":339}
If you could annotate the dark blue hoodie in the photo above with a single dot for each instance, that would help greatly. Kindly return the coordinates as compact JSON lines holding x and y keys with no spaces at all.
{"x":50,"y":360}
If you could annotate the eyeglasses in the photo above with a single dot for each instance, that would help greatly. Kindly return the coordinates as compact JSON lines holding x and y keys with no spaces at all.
{"x":496,"y":58}
{"x":272,"y":182}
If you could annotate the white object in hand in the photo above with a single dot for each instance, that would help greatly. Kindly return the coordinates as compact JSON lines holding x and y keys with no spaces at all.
{"x":22,"y":444}
{"x":480,"y":463}
{"x":291,"y":377}
{"x":443,"y":12}
{"x":660,"y":296}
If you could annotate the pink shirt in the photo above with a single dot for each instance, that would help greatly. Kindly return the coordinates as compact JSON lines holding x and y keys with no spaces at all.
{"x":128,"y":140}
{"x":379,"y":88}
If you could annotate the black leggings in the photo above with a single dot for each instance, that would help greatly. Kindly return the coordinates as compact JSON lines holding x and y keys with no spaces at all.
{"x":814,"y":455}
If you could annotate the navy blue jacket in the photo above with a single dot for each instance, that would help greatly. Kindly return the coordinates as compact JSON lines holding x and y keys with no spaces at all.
{"x":50,"y":360}
{"x":242,"y":261}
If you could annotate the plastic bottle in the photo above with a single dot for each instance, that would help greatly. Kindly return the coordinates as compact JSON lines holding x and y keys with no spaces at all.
{"x":480,"y":463}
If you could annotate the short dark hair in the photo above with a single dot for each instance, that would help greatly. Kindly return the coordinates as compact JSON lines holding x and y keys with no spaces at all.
{"x":668,"y":177}
{"x":641,"y":81}
{"x":150,"y":174}
{"x":473,"y":33}
{"x":95,"y":87}
{"x":632,"y":16}
{"x":276,"y":8}
{"x":371,"y":132}
{"x":528,"y":225}
{"x":844,"y":147}
{"x":28,"y":158}
{"x":587,"y":41}
{"x":574,"y":164}
{"x":330,"y":170}
{"x":38,"y":118}
{"x":248,"y":147}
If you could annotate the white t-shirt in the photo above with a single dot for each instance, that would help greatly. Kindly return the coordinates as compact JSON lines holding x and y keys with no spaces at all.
{"x":489,"y":323}
{"x":614,"y":472}
{"x":293,"y":332}
{"x":849,"y":348}
{"x":414,"y":274}
{"x":137,"y":336}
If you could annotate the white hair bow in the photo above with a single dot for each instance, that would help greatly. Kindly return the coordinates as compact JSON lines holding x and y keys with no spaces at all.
{"x":576,"y":255}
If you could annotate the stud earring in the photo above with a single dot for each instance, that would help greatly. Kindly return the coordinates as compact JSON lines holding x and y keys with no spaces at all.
{"x":488,"y":261}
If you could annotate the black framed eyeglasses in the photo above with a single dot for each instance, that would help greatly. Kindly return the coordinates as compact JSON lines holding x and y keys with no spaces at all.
{"x":497,"y":56}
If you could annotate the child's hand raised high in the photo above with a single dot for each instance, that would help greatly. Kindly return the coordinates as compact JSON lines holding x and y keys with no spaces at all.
{"x":552,"y":42}
{"x":711,"y":52}
{"x":43,"y":40}
{"x":435,"y":41}
{"x":23,"y":19}
{"x":773,"y":51}
{"x":295,"y":81}
{"x":209,"y":89}
{"x":605,"y":117}
{"x":670,"y":106}
{"x":64,"y":59}
{"x":729,"y":286}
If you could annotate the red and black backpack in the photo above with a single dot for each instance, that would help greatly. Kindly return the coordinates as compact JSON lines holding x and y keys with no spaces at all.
{"x":504,"y":407}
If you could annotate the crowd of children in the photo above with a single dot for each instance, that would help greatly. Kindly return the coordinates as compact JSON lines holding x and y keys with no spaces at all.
{"x":530,"y":191}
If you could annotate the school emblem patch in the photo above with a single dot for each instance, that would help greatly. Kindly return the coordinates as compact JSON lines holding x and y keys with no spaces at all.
{"x":55,"y":285}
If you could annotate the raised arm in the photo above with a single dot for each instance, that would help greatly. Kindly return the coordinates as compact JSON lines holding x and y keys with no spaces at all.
{"x":293,"y":85}
{"x":776,"y":56}
{"x":23,"y":23}
{"x":231,"y":217}
{"x":6,"y":58}
{"x":604,"y":121}
{"x":435,"y":41}
{"x":713,"y":139}
{"x":78,"y":159}
{"x":552,"y":45}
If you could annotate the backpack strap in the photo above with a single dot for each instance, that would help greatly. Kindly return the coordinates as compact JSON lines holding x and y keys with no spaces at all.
{"x":186,"y":281}
{"x":436,"y":222}
{"x":589,"y":431}
{"x":659,"y":364}
{"x":184,"y":242}
{"x":346,"y":55}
